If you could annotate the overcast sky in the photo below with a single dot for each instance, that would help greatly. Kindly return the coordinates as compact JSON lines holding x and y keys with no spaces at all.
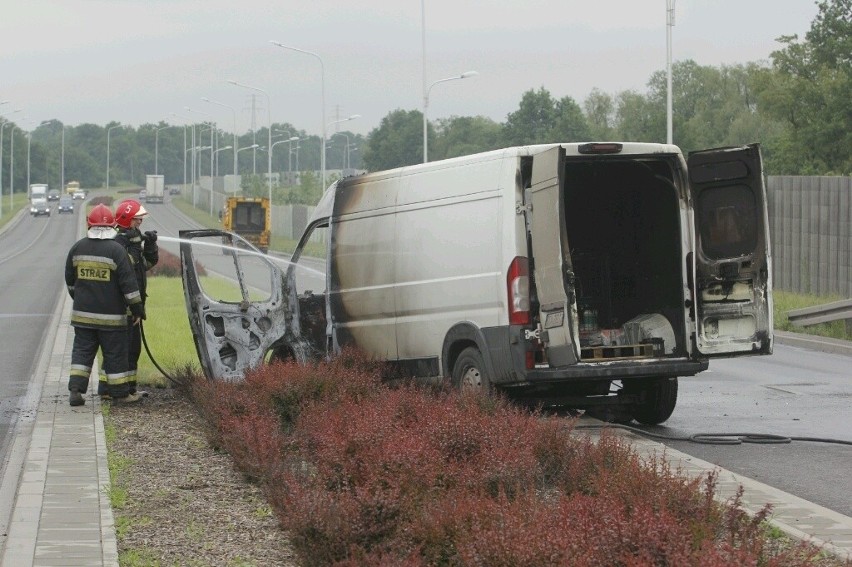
{"x":138,"y":61}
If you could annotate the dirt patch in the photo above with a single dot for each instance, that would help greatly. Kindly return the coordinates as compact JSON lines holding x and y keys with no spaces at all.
{"x":186,"y":504}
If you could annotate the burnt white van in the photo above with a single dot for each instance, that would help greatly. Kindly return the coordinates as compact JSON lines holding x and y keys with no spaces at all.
{"x":587,"y":275}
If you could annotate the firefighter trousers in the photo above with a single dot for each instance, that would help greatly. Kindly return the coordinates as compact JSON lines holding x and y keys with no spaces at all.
{"x":134,"y":338}
{"x":114,"y":347}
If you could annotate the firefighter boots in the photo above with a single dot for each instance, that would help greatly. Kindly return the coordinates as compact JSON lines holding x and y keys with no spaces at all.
{"x":76,"y":398}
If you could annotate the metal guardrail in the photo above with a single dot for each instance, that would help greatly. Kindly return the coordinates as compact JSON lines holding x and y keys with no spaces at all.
{"x":835,"y":311}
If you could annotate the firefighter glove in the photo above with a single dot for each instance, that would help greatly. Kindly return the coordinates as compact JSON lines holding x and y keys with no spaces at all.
{"x":150,"y":236}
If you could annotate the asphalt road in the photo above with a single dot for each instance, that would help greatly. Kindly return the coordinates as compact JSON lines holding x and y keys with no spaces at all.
{"x":32,"y":263}
{"x":794,"y":392}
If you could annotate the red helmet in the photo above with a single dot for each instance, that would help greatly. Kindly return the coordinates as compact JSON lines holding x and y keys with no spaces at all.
{"x":101,"y":216}
{"x":127,"y":210}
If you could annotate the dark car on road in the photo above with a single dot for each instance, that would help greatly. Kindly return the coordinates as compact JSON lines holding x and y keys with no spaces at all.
{"x":53,"y":195}
{"x":66,"y":205}
{"x":40,"y":207}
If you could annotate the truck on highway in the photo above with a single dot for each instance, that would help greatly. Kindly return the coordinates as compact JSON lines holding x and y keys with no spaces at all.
{"x":38,"y":200}
{"x":154,"y":188}
{"x":574,"y":275}
{"x":249,"y":218}
{"x":71,"y":187}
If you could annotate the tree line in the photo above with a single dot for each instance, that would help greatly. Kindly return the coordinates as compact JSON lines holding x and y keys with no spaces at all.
{"x":797,"y":104}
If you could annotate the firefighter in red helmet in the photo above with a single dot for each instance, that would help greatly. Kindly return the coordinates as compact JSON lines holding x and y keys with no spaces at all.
{"x":101,"y":282}
{"x":143,"y":253}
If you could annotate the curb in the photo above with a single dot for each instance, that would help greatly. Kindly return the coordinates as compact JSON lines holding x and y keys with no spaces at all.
{"x":814,"y":342}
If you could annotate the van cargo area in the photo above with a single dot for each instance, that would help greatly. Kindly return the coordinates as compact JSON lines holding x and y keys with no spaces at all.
{"x":622,"y":222}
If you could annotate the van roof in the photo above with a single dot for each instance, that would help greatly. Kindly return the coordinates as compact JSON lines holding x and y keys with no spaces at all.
{"x":571,"y":148}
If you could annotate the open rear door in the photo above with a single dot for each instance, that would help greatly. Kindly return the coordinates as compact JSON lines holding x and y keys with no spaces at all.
{"x":554,"y":278}
{"x":733,"y":267}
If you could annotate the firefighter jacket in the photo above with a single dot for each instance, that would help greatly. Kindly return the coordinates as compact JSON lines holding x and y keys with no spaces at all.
{"x":101,"y":282}
{"x":143,"y":253}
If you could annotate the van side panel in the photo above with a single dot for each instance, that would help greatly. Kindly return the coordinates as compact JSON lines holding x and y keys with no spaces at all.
{"x":362,"y":265}
{"x":449,"y":235}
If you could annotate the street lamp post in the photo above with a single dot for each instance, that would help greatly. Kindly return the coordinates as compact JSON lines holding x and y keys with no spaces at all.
{"x":217,"y":157}
{"x":157,"y":148}
{"x":269,"y":143}
{"x":670,"y":22}
{"x":290,"y":159}
{"x":251,"y":147}
{"x":287,"y":141}
{"x":29,"y":148}
{"x":322,"y":86}
{"x":347,"y":119}
{"x":216,"y":154}
{"x":186,"y":121}
{"x":235,"y":144}
{"x":11,"y":166}
{"x":212,"y":147}
{"x":2,"y":126}
{"x":346,"y":155}
{"x":192,"y":164}
{"x":62,"y":161}
{"x":109,"y":130}
{"x":464,"y":75}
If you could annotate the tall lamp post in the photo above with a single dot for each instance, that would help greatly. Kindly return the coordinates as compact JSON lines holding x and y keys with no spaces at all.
{"x":346,"y":155}
{"x":464,"y":75}
{"x":216,"y":152}
{"x":11,"y":166}
{"x":347,"y":119}
{"x":251,"y":147}
{"x":670,"y":22}
{"x":109,"y":130}
{"x":157,"y":148}
{"x":235,"y":144}
{"x":29,"y":148}
{"x":62,"y":161}
{"x":322,"y":86}
{"x":213,"y":131}
{"x":186,"y":121}
{"x":269,"y":143}
{"x":2,"y":126}
{"x":287,"y":141}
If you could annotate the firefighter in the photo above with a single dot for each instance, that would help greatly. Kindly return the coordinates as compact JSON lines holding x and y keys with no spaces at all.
{"x":101,"y":282}
{"x":144,"y":253}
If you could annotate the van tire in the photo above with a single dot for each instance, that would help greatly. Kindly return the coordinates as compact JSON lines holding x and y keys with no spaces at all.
{"x":658,"y":397}
{"x":469,"y":371}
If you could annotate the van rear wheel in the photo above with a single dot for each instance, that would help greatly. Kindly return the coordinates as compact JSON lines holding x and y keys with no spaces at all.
{"x":469,"y":371}
{"x":657,"y":399}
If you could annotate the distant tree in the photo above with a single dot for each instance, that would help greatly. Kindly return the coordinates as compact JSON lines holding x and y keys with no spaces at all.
{"x":808,"y":88}
{"x":533,"y":122}
{"x":637,"y":119}
{"x":398,"y":141}
{"x":465,"y":135}
{"x":599,"y":108}
{"x":569,"y":123}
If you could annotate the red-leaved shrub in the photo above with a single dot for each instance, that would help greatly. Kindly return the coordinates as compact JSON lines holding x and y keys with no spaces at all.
{"x":360,"y":473}
{"x":169,"y":266}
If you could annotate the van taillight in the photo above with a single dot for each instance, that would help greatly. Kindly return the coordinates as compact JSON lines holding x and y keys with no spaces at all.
{"x":518,"y":286}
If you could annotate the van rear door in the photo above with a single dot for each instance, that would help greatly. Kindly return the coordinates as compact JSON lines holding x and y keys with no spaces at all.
{"x":553,"y":273}
{"x":733,"y":267}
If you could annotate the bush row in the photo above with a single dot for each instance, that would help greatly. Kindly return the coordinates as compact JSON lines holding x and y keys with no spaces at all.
{"x":360,"y":473}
